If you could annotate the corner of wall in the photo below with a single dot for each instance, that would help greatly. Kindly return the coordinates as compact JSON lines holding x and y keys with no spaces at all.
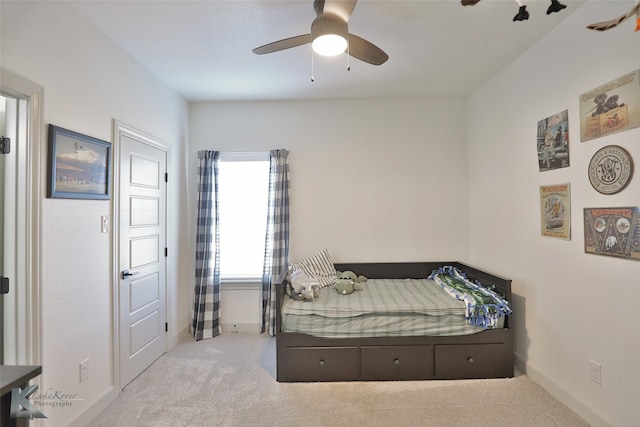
{"x":559,"y":392}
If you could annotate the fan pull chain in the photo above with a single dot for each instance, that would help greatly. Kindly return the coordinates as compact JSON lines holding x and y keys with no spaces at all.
{"x":313,"y":79}
{"x":348,"y":53}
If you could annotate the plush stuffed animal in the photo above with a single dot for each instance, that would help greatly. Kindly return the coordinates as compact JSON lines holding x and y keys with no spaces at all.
{"x":348,"y":283}
{"x":302,"y":287}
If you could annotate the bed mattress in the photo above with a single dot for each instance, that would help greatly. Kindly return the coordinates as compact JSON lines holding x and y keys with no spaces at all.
{"x":384,"y":308}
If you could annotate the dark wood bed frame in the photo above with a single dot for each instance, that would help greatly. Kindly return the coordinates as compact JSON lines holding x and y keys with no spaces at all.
{"x":486,"y":354}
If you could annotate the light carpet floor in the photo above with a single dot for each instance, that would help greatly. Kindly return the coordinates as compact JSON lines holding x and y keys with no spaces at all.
{"x":230,"y":381}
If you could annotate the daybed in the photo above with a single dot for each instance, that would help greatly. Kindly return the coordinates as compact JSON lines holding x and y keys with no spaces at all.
{"x":486,"y":354}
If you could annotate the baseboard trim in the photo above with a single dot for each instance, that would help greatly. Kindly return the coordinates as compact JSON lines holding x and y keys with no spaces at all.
{"x":98,"y":406}
{"x":177,"y":338}
{"x":556,"y":390}
{"x":108,"y":397}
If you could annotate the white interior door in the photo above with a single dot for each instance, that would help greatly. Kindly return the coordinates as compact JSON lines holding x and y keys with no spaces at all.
{"x":3,"y":113}
{"x":142,"y":257}
{"x":12,"y":260}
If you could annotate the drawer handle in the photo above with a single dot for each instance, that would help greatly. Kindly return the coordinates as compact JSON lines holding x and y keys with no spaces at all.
{"x":322,"y":363}
{"x":397,"y":362}
{"x":470,"y":359}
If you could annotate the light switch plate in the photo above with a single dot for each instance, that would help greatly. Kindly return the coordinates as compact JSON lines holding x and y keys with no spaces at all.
{"x":104,"y":220}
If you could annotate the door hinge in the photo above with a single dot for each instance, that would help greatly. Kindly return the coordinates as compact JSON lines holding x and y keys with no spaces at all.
{"x":166,"y":326}
{"x":5,"y":145}
{"x":166,"y":252}
{"x":4,"y":285}
{"x":166,"y":177}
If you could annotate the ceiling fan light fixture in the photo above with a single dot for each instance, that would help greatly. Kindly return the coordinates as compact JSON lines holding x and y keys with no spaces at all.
{"x":329,"y":34}
{"x":329,"y":44}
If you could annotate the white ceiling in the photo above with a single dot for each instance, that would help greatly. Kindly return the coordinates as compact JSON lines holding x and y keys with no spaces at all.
{"x":203,"y":49}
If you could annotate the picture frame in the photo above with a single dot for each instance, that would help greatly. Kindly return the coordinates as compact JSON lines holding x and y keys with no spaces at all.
{"x":613,"y":231}
{"x":553,"y":142}
{"x":79,"y":166}
{"x":555,"y":211}
{"x":611,"y":108}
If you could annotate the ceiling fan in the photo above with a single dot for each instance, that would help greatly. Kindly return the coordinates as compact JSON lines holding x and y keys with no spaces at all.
{"x":330,"y":35}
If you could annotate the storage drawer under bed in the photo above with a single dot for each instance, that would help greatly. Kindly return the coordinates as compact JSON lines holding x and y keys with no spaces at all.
{"x":322,"y":363}
{"x":456,"y":361}
{"x":406,"y":362}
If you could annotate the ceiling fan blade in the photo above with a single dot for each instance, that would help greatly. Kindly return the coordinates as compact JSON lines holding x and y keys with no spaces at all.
{"x":366,"y":51}
{"x":341,"y":8}
{"x":283,"y":44}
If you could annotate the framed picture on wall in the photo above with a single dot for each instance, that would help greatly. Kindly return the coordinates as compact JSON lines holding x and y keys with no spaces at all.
{"x":78,"y":165}
{"x":613,"y":232}
{"x":553,"y":142}
{"x":611,"y":108}
{"x":555,"y":211}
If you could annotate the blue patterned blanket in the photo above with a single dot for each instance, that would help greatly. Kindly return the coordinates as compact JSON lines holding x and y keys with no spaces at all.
{"x":484,"y":307}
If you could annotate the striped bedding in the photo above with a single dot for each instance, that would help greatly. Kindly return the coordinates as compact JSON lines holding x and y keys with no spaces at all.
{"x":385,"y":307}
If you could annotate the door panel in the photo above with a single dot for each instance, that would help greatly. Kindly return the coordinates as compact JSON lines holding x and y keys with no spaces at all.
{"x":144,"y":172}
{"x":144,"y":251}
{"x":143,"y":332}
{"x":143,"y":292}
{"x":145,"y":211}
{"x":142,"y":238}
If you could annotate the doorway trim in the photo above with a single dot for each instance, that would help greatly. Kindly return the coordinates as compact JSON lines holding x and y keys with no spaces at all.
{"x":120,"y":129}
{"x":31,"y":312}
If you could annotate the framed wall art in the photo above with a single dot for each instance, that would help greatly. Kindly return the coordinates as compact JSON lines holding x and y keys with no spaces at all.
{"x":611,"y":108}
{"x":78,"y":166}
{"x":613,"y":232}
{"x":553,"y":142}
{"x":555,"y":211}
{"x":610,"y":169}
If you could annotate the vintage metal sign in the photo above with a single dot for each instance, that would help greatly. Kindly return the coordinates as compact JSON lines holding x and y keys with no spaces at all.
{"x":555,"y":206}
{"x":610,"y":108}
{"x":610,"y":169}
{"x":613,"y":232}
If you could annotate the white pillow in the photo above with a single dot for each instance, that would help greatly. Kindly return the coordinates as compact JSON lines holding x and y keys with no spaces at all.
{"x":319,"y":266}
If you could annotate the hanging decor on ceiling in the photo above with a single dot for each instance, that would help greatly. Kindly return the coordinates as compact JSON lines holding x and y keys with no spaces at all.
{"x":556,"y":6}
{"x":522,"y":14}
{"x":606,"y":25}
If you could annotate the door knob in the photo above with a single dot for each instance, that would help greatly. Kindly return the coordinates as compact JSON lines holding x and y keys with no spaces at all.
{"x":127,"y":273}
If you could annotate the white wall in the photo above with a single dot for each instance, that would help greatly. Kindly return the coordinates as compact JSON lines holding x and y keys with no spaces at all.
{"x":87,"y":83}
{"x":371,"y":180}
{"x":486,"y":207}
{"x":570,"y":307}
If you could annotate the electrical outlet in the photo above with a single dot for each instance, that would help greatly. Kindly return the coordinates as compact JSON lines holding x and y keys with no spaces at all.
{"x":595,"y":370}
{"x":84,"y":370}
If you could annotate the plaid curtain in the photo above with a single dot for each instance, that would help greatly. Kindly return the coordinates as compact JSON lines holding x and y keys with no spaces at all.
{"x":205,"y":320}
{"x":276,"y":254}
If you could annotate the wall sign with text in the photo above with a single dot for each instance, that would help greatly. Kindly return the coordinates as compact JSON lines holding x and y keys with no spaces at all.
{"x":613,"y":232}
{"x":610,"y":169}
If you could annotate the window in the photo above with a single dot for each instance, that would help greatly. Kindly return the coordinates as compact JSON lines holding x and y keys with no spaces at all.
{"x":243,"y":191}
